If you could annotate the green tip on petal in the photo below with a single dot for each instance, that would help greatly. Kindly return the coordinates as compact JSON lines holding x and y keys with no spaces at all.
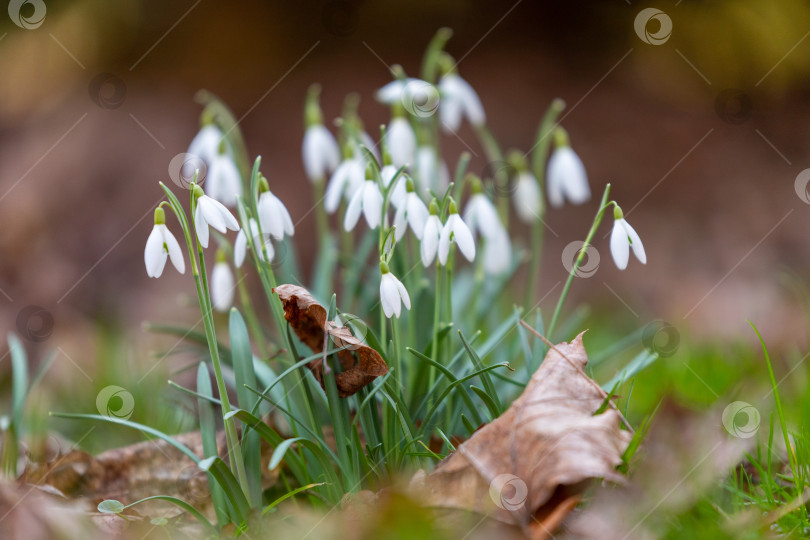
{"x":434,"y":207}
{"x":453,"y":207}
{"x":263,"y":185}
{"x":560,"y":137}
{"x":384,"y":267}
{"x":160,"y":216}
{"x":221,"y":256}
{"x":475,"y":183}
{"x":409,"y":184}
{"x":617,"y":212}
{"x":312,"y":110}
{"x":197,"y":190}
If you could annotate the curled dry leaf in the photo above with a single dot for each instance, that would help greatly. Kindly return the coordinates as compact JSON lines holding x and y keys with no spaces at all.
{"x":528,"y":465}
{"x":308,"y":319}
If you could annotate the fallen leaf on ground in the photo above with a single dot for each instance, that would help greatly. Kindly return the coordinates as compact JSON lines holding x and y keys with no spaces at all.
{"x":528,"y":467}
{"x":308,"y":319}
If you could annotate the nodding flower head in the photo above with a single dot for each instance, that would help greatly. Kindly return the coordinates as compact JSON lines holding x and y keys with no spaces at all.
{"x":566,"y":174}
{"x":393,"y":293}
{"x":622,"y":239}
{"x":162,"y":245}
{"x":211,"y":212}
{"x":456,"y":231}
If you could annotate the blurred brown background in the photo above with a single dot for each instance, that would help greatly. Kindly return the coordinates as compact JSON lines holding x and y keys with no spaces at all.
{"x":702,"y":136}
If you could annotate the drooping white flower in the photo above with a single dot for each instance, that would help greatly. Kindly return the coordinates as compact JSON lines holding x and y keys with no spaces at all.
{"x":320,"y":152}
{"x":456,"y":231}
{"x":392,"y":293}
{"x":497,"y":254}
{"x":481,"y":217}
{"x":273,"y":216}
{"x":403,"y":89}
{"x":223,"y":181}
{"x":459,"y":100}
{"x":431,"y":236}
{"x":401,"y":142}
{"x":527,"y":198}
{"x":240,"y":246}
{"x":222,"y":286}
{"x":206,"y":143}
{"x":567,"y":178}
{"x":411,"y":213}
{"x":622,"y":238}
{"x":211,"y":212}
{"x":348,"y":177}
{"x":430,"y":173}
{"x":161,"y":245}
{"x":398,"y":195}
{"x":367,"y":200}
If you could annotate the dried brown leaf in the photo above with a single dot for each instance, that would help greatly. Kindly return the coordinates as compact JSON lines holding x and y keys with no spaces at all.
{"x":360,"y":363}
{"x":549,"y":437}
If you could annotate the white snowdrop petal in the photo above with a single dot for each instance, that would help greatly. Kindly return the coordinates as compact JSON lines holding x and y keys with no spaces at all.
{"x":269,"y":217}
{"x":222,"y":287}
{"x":230,"y":220}
{"x":224,"y":173}
{"x":175,"y":253}
{"x":635,"y":243}
{"x":417,"y":214}
{"x":205,"y":144}
{"x":211,"y":213}
{"x":402,"y":293}
{"x":450,"y":115}
{"x":497,"y":254}
{"x":286,"y":220}
{"x":430,"y":240}
{"x":353,"y":212}
{"x":372,"y":204}
{"x":401,"y":142}
{"x":527,"y":197}
{"x":619,"y":244}
{"x":240,"y":249}
{"x":153,"y":253}
{"x":320,"y":152}
{"x":201,"y":225}
{"x":463,"y":238}
{"x":334,"y":189}
{"x":444,"y":243}
{"x":386,"y":296}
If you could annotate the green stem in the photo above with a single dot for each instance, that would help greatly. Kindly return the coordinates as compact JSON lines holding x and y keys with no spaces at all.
{"x":203,"y":293}
{"x":603,"y":205}
{"x":539,"y":157}
{"x":434,"y":346}
{"x":499,"y":170}
{"x":250,"y":314}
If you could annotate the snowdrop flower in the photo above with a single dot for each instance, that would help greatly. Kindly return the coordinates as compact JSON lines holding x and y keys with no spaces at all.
{"x":456,"y":231}
{"x":527,"y":198}
{"x":319,"y":150}
{"x":392,"y":293}
{"x":482,"y":218}
{"x":222,"y":284}
{"x":497,"y":253}
{"x":412,"y":212}
{"x":430,"y":174}
{"x":480,"y":215}
{"x":566,"y":174}
{"x":459,"y":100}
{"x":206,"y":143}
{"x":273,"y":215}
{"x":223,"y":181}
{"x":161,"y":245}
{"x":431,"y":234}
{"x":398,"y":195}
{"x":401,"y":141}
{"x":348,"y":177}
{"x":367,"y":200}
{"x":400,"y":90}
{"x":622,"y":238}
{"x":211,"y":212}
{"x":240,"y":246}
